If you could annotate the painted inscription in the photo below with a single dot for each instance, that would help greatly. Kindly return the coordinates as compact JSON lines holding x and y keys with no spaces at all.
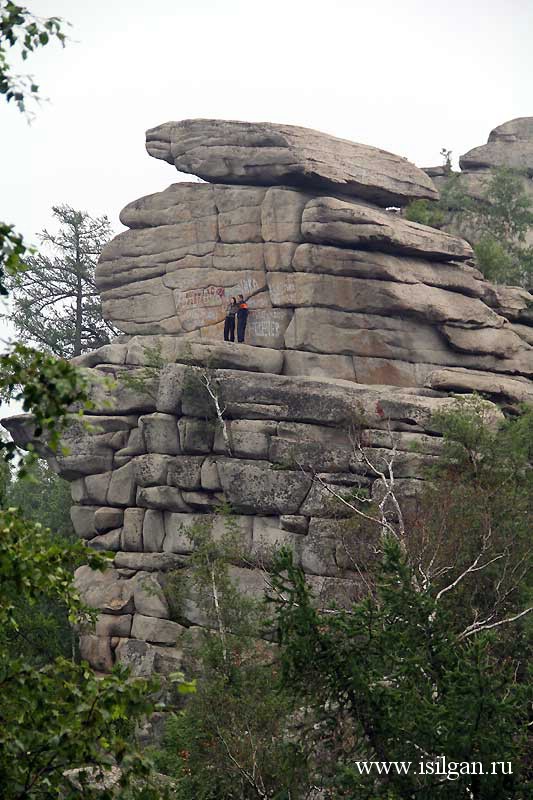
{"x":214,"y":295}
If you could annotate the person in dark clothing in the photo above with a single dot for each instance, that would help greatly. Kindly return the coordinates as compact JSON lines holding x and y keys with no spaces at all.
{"x":242,"y":317}
{"x":229,"y":322}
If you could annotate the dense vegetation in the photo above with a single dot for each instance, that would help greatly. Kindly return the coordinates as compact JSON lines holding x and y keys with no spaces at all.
{"x":54,"y":301}
{"x":433,"y":662}
{"x":496,"y":223}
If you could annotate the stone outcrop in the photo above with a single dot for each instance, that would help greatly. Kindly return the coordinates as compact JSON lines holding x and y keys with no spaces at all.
{"x":266,"y":154}
{"x":356,"y":316}
{"x":509,"y":145}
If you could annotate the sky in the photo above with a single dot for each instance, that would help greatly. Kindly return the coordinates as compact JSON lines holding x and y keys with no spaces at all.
{"x":410,"y":77}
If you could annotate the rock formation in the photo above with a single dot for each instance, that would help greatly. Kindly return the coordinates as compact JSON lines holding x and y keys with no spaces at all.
{"x":354,"y":312}
{"x":509,"y":145}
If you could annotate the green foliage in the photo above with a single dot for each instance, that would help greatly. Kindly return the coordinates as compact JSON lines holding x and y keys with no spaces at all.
{"x":479,"y":504}
{"x":12,"y":252}
{"x":387,"y":680}
{"x":43,"y":631}
{"x":55,"y":303}
{"x":145,"y":381}
{"x":46,"y":387}
{"x":436,"y":214}
{"x":501,"y":222}
{"x":425,"y":213}
{"x":232,"y":739}
{"x":67,"y":718}
{"x":55,"y":715}
{"x":43,"y":497}
{"x":23,"y":32}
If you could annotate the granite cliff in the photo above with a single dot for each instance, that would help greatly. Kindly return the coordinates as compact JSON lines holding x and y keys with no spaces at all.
{"x":355,"y":313}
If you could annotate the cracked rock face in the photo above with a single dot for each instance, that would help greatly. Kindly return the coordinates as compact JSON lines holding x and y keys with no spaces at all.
{"x":354,"y":312}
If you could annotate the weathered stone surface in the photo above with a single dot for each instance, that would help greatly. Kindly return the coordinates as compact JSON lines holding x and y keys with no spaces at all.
{"x":148,"y":562}
{"x":121,"y":491}
{"x":104,"y":590}
{"x":281,"y":215}
{"x":496,"y":386}
{"x":106,"y":519}
{"x":196,"y":435}
{"x":149,"y":597}
{"x":269,"y":154}
{"x":249,"y":438}
{"x":254,"y":487}
{"x":370,"y":337}
{"x":223,"y":355}
{"x":354,"y":313}
{"x":512,"y":302}
{"x":153,"y":531}
{"x":95,"y":488}
{"x":151,"y":629}
{"x":108,"y":354}
{"x":379,"y":297}
{"x":324,"y":259}
{"x":97,"y":651}
{"x":310,"y":456}
{"x":294,"y":523}
{"x":185,"y":472}
{"x":209,"y":475}
{"x":107,"y":541}
{"x":322,"y":501}
{"x":268,"y":537}
{"x":151,"y":469}
{"x":318,"y":555}
{"x":180,"y":531}
{"x":132,"y":531}
{"x":83,"y":520}
{"x":162,"y":498}
{"x":327,"y":220}
{"x":160,"y":433}
{"x":509,"y":145}
{"x":314,"y":365}
{"x":113,"y":625}
{"x":503,"y":342}
{"x":143,"y":659}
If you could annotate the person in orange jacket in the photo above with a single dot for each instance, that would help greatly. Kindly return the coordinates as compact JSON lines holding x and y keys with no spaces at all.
{"x":242,"y":317}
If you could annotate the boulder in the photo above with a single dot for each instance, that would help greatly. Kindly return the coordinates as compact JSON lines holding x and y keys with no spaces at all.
{"x":380,"y":297}
{"x":107,"y":541}
{"x":113,"y":625}
{"x":498,"y":387}
{"x":255,"y":487}
{"x":159,"y":631}
{"x":162,"y":498}
{"x":269,"y":154}
{"x":509,"y":145}
{"x":160,"y":433}
{"x":347,"y":262}
{"x":143,"y":659}
{"x":97,"y":651}
{"x":327,"y":220}
{"x":148,"y":562}
{"x":149,"y":597}
{"x":153,"y":531}
{"x":106,"y":519}
{"x":105,"y":590}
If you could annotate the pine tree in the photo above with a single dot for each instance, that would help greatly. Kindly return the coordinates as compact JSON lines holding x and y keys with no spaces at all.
{"x":55,"y":301}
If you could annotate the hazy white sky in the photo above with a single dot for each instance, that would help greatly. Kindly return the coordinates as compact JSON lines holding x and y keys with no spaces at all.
{"x":410,"y":77}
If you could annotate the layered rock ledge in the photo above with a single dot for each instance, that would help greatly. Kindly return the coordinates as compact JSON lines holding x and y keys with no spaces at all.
{"x":357,"y":316}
